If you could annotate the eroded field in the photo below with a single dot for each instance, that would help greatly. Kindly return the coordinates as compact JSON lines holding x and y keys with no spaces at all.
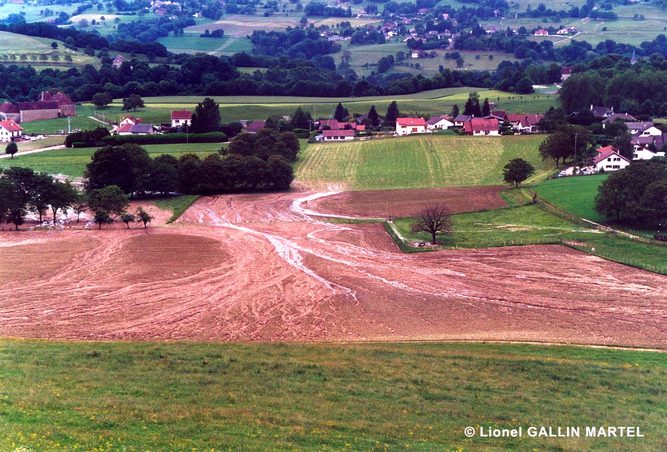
{"x":260,"y":267}
{"x":407,"y":203}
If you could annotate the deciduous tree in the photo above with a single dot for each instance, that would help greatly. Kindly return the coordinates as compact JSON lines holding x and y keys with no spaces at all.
{"x":517,"y":171}
{"x":433,"y":220}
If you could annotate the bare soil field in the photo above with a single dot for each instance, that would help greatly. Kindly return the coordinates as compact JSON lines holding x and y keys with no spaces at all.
{"x":407,"y":203}
{"x":262,"y":268}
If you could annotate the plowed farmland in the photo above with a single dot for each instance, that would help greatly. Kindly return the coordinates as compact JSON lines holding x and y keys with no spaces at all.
{"x":427,"y":161}
{"x":263,"y":268}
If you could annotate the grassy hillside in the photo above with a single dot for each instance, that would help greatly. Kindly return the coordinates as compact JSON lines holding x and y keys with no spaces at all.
{"x":72,"y":162}
{"x":21,"y":49}
{"x":416,"y":162}
{"x":234,"y":108}
{"x":391,"y":396}
{"x":574,"y":194}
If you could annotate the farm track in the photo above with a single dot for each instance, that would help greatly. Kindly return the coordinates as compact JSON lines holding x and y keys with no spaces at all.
{"x":262,"y":268}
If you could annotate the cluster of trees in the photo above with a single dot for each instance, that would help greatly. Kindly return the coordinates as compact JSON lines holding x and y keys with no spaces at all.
{"x":567,"y":141}
{"x":109,"y":202}
{"x":294,"y":43}
{"x":612,"y":82}
{"x":22,"y":191}
{"x":79,"y":39}
{"x":251,"y":162}
{"x":636,"y":196}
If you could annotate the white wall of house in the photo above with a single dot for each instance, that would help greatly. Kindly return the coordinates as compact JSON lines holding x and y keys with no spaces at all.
{"x":6,"y":136}
{"x":409,"y":130}
{"x":180,"y":123}
{"x":338,"y":138}
{"x":644,"y":154}
{"x":611,"y":163}
{"x":485,"y":133}
{"x":443,"y":124}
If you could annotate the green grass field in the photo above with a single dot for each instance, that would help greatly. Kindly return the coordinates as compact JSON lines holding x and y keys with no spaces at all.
{"x":72,"y":162}
{"x":234,"y":108}
{"x":58,"y":126}
{"x":574,"y":194}
{"x":177,"y":396}
{"x":525,"y":225}
{"x":177,"y":205}
{"x":415,"y":162}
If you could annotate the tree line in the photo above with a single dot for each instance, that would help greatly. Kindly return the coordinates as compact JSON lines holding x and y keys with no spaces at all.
{"x":251,"y":162}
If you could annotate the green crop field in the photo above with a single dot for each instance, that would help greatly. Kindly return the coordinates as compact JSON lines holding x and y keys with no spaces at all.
{"x":416,"y":162}
{"x":525,"y":225}
{"x":21,"y":49}
{"x":72,"y":162}
{"x":574,"y":194}
{"x":178,"y":396}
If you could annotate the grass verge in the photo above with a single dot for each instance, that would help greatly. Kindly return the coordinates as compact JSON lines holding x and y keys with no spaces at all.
{"x":177,"y":205}
{"x":176,"y":396}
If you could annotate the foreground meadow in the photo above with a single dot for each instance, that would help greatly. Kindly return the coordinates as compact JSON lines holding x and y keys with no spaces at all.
{"x":73,"y":395}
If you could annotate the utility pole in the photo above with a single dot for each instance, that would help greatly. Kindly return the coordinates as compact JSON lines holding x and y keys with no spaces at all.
{"x":576,"y":135}
{"x":69,"y":126}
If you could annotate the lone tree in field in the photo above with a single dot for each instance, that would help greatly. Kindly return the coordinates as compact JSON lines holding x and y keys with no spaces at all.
{"x":517,"y":171}
{"x":11,"y":149}
{"x":206,"y":117}
{"x":144,"y":216}
{"x":102,"y":100}
{"x":434,"y":220}
{"x":133,"y":102}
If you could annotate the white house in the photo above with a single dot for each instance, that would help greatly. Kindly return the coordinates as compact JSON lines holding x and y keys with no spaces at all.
{"x":608,"y":159}
{"x":181,"y":118}
{"x":482,"y":127}
{"x":643,"y":129}
{"x":10,"y":130}
{"x":337,"y":135}
{"x":646,"y":154}
{"x":440,"y":122}
{"x":408,"y":126}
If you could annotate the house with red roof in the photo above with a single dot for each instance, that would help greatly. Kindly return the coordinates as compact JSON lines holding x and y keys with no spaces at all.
{"x":181,"y":118}
{"x":65,"y":104}
{"x":482,"y":127}
{"x":408,"y":126}
{"x":10,"y":130}
{"x":609,"y":159}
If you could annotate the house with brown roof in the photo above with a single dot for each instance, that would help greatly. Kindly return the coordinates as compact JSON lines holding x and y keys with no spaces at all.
{"x":10,"y":130}
{"x":65,"y":104}
{"x":11,"y":111}
{"x":482,"y":127}
{"x":439,"y":122}
{"x":625,"y":117}
{"x":523,"y":123}
{"x":35,"y":111}
{"x":408,"y":126}
{"x":118,"y":61}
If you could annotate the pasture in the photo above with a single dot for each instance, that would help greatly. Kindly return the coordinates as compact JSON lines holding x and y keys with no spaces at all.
{"x":72,"y":162}
{"x":574,"y":194}
{"x":176,"y":396}
{"x":59,"y":126}
{"x":425,"y":161}
{"x":529,"y":224}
